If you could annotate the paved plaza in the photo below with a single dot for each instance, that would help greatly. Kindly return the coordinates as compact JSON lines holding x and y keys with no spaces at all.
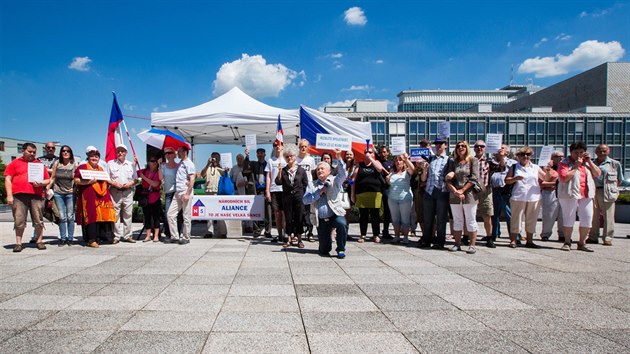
{"x":249,"y":295}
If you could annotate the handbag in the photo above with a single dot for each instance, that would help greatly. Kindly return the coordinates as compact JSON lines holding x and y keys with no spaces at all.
{"x":226,"y":186}
{"x":345,"y":200}
{"x":477,"y":187}
{"x":141,"y":196}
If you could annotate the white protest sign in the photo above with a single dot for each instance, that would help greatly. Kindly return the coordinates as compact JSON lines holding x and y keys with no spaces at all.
{"x":228,"y":207}
{"x":417,"y":154}
{"x":545,"y":155}
{"x":250,"y":142}
{"x":94,"y":174}
{"x":332,"y":142}
{"x":444,"y":129}
{"x":398,"y":145}
{"x":493,"y":142}
{"x":35,"y":172}
{"x":226,"y":160}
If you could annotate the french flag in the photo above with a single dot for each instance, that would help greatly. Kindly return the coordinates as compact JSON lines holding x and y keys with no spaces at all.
{"x":279,"y":133}
{"x":313,"y":122}
{"x":114,"y":134}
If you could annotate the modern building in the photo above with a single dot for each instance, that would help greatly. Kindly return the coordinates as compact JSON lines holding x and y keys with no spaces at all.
{"x":537,"y":123}
{"x":457,"y":100}
{"x":359,"y":106}
{"x":11,"y":148}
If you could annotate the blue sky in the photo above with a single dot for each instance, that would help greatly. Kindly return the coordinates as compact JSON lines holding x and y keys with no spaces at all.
{"x":60,"y":60}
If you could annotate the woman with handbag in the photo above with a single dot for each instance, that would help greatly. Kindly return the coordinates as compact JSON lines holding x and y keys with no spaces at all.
{"x":152,"y":209}
{"x":294,"y":181}
{"x":62,"y":182}
{"x":526,"y":194}
{"x":400,"y":198}
{"x":462,"y":173}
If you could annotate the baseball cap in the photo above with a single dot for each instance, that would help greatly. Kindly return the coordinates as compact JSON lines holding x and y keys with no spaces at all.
{"x":121,"y":146}
{"x":90,"y":149}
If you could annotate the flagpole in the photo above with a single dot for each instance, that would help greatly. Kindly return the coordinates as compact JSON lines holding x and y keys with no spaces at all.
{"x":133,"y":150}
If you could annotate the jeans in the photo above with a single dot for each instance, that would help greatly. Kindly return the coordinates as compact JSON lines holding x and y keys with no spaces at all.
{"x":324,"y":229}
{"x":65,"y":204}
{"x":400,"y":211}
{"x":435,"y":213}
{"x":501,"y":203}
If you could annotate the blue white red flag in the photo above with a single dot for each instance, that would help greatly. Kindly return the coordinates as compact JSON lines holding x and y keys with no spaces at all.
{"x":114,"y":134}
{"x":279,"y":133}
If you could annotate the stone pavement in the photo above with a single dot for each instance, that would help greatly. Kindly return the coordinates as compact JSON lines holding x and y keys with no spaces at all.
{"x":244,"y":295}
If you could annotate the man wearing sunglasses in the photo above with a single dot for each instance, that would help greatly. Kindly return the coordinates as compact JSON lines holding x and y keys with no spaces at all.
{"x":485,"y":208}
{"x":435,"y":198}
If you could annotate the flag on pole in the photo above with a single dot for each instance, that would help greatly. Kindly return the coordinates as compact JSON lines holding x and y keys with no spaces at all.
{"x":279,"y":132}
{"x":114,"y":134}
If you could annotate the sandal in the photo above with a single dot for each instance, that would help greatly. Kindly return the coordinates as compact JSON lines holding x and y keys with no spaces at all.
{"x":40,"y":246}
{"x":377,"y":239}
{"x":361,"y":239}
{"x":146,"y":240}
{"x":300,"y":244}
{"x":311,"y":238}
{"x":512,"y":244}
{"x":18,"y":248}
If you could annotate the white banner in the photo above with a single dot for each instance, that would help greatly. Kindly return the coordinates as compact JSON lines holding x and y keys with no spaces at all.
{"x":228,"y":207}
{"x":94,"y":174}
{"x":332,"y":142}
{"x":226,"y":160}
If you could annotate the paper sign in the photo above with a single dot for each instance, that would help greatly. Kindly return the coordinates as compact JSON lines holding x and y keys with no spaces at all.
{"x":493,"y":143}
{"x":545,"y":155}
{"x":35,"y":172}
{"x":398,"y":145}
{"x":228,"y":207}
{"x":332,"y":142}
{"x":226,"y":160}
{"x":250,"y":142}
{"x":94,"y":174}
{"x":417,"y":154}
{"x":444,"y":129}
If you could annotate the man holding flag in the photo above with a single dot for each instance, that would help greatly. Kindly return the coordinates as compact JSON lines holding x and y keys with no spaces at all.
{"x":123,"y":176}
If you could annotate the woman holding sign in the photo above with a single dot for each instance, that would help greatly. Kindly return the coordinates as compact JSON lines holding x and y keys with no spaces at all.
{"x":95,"y":209}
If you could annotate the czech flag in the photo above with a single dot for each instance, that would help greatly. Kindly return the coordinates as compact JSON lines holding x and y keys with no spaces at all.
{"x":313,"y":122}
{"x":114,"y":134}
{"x":279,"y":133}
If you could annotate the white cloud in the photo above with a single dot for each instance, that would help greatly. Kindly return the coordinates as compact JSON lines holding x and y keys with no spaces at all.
{"x":129,"y":107}
{"x":599,"y":13}
{"x":509,"y":44}
{"x":337,"y":65}
{"x":563,"y":37}
{"x":254,"y":76}
{"x":587,"y":55}
{"x":357,"y":88}
{"x":162,"y":106}
{"x":355,"y":16}
{"x":336,"y":55}
{"x":80,"y":64}
{"x":379,"y":61}
{"x":542,"y":40}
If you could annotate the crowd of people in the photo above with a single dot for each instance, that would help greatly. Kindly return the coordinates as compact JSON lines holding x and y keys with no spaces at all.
{"x":418,"y":198}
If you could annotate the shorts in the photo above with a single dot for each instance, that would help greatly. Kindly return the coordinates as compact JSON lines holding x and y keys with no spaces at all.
{"x":22,"y":203}
{"x":276,"y":201}
{"x":485,"y":206}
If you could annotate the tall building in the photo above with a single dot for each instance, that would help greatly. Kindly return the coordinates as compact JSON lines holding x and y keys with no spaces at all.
{"x":457,"y":100}
{"x":537,"y":122}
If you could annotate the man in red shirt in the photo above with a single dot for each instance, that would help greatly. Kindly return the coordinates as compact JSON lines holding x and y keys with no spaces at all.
{"x":23,"y":195}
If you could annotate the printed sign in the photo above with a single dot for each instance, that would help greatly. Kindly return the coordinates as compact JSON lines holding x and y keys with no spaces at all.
{"x":35,"y":172}
{"x":250,"y":142}
{"x":417,"y":154}
{"x":332,"y":142}
{"x":398,"y":145}
{"x":493,"y":143}
{"x":228,"y":207}
{"x":226,"y":160}
{"x":545,"y":155}
{"x":94,"y":174}
{"x":444,"y":129}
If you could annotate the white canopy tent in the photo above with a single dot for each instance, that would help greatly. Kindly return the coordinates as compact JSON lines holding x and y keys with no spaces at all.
{"x":227,"y":119}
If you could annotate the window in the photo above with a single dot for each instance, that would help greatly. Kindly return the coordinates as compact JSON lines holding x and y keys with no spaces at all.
{"x":496,"y":128}
{"x":1,"y":145}
{"x":397,"y":128}
{"x":378,"y":128}
{"x":19,"y":147}
{"x":517,"y":128}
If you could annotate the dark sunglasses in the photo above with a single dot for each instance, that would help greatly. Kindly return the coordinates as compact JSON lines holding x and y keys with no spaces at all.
{"x":480,"y":146}
{"x":152,"y":160}
{"x":461,"y":146}
{"x":169,"y":153}
{"x":62,"y":151}
{"x":526,"y":154}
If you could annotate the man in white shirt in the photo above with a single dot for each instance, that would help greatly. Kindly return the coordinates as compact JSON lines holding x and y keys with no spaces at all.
{"x":123,"y":176}
{"x":273,"y":192}
{"x":184,"y":182}
{"x":307,"y":162}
